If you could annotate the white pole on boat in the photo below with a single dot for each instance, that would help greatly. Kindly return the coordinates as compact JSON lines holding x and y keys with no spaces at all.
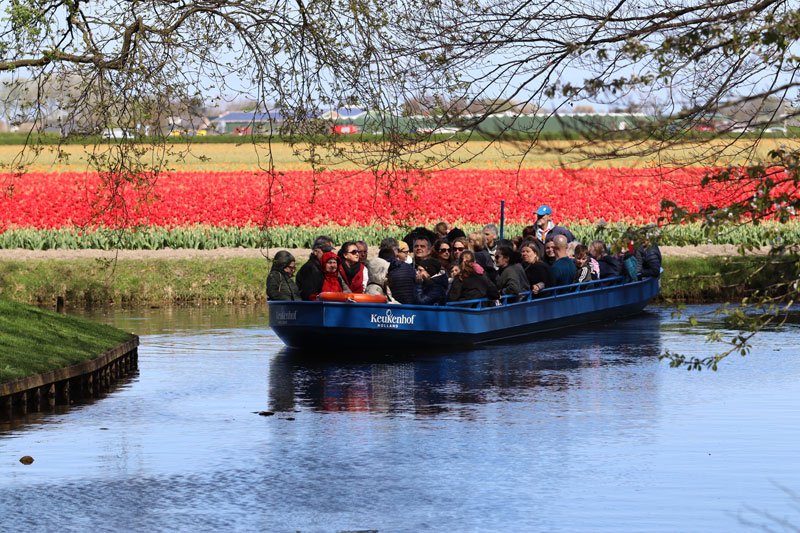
{"x":502,"y":217}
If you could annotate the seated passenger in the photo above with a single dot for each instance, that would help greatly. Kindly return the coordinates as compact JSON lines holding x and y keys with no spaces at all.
{"x":443,"y":253}
{"x":648,"y":256}
{"x":333,"y":280}
{"x":563,"y":267}
{"x":482,"y":257}
{"x":310,"y":276}
{"x":511,"y":278}
{"x":609,"y":265}
{"x":351,"y":268}
{"x":401,"y":278}
{"x":539,"y":273}
{"x":458,"y":246}
{"x":280,"y":285}
{"x":550,"y":253}
{"x":583,"y":268}
{"x":378,"y":268}
{"x":431,"y":283}
{"x":469,"y":285}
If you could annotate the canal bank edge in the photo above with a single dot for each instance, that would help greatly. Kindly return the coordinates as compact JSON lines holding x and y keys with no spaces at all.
{"x":220,"y":281}
{"x":56,"y":386}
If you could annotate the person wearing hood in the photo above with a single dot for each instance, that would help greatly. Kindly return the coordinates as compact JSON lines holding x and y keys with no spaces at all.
{"x":431,"y":283}
{"x":280,"y":285}
{"x":378,"y":270}
{"x":333,"y":281}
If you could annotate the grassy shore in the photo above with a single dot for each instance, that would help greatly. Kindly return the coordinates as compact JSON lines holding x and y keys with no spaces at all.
{"x":143,"y":282}
{"x":33,"y":340}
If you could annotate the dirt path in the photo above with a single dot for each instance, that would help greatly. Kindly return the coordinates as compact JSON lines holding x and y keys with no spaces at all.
{"x":300,"y":253}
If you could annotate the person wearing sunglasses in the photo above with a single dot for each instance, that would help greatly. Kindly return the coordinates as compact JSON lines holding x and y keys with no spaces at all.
{"x":442,"y":250}
{"x":457,"y":247}
{"x":280,"y":285}
{"x":351,"y":268}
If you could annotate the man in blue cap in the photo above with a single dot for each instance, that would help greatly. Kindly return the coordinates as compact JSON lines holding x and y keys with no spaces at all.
{"x":546,"y":230}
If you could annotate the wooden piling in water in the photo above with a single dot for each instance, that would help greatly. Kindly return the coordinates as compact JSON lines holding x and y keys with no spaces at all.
{"x":65,"y":385}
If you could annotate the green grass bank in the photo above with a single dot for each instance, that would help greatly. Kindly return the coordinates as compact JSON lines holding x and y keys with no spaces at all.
{"x":144,"y":282}
{"x":34,"y":340}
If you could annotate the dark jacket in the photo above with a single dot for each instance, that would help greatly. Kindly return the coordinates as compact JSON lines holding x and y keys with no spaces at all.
{"x":539,"y":272}
{"x":401,"y":280}
{"x":584,"y":274}
{"x":474,"y":287}
{"x":512,"y":280}
{"x":609,"y":266}
{"x":483,"y":258}
{"x":649,"y":259}
{"x":280,"y":285}
{"x":310,"y":278}
{"x":432,"y":291}
{"x":559,"y":230}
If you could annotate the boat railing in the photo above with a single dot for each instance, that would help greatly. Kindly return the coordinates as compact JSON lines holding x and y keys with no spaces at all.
{"x":551,"y":292}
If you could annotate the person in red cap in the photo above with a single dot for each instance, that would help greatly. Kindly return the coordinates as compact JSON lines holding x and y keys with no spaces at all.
{"x":546,"y":230}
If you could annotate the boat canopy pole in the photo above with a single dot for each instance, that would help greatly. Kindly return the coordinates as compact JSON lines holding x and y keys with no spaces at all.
{"x":502,"y":217}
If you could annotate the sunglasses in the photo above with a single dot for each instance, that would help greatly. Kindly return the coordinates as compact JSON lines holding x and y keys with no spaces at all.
{"x":403,"y":250}
{"x":352,"y":252}
{"x":441,"y":250}
{"x":459,"y":248}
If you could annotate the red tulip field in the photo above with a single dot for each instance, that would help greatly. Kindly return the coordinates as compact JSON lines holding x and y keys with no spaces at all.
{"x":240,"y":201}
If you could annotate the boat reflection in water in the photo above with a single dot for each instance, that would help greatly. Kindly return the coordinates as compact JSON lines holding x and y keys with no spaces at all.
{"x":432,"y":383}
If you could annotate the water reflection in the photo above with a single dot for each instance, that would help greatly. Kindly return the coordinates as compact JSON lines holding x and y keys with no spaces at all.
{"x":425,"y":384}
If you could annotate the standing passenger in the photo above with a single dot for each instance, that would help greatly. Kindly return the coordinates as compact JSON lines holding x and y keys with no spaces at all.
{"x":563,"y":267}
{"x":490,"y":239}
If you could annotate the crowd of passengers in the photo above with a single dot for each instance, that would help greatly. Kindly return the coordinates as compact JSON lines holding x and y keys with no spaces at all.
{"x":445,"y":265}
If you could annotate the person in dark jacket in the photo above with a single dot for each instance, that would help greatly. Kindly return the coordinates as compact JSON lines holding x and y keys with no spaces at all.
{"x":469,"y":285}
{"x":431,"y":283}
{"x":539,"y":273}
{"x":400,"y":279}
{"x":648,"y":256}
{"x":280,"y":285}
{"x":511,"y":278}
{"x":310,"y":275}
{"x":546,"y":229}
{"x":609,"y":265}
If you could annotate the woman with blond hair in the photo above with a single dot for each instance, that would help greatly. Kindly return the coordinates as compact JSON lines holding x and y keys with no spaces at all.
{"x":469,"y":285}
{"x":477,"y":243}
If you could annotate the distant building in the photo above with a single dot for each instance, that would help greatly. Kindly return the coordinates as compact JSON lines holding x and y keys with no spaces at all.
{"x":260,"y":122}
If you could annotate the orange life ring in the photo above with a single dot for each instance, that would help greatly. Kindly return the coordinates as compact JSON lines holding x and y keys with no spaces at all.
{"x":349,"y":297}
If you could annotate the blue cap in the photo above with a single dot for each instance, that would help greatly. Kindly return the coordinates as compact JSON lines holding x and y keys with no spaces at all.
{"x":544,"y":210}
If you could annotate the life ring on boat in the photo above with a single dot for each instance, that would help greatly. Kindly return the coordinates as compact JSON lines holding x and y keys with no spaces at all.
{"x":349,"y":297}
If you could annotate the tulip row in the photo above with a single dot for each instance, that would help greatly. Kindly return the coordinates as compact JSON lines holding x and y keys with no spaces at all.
{"x":210,"y":237}
{"x":300,"y":198}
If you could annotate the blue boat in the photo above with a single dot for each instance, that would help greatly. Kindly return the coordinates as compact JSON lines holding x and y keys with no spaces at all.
{"x":311,"y":325}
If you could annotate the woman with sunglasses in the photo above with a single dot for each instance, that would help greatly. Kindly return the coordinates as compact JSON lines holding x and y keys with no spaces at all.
{"x":351,"y":269}
{"x":280,"y":285}
{"x":442,"y":250}
{"x":457,"y":247}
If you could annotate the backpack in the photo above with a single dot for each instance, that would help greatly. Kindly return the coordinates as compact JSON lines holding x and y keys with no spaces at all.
{"x":630,"y":267}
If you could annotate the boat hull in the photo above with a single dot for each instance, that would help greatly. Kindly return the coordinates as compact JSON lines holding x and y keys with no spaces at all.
{"x":311,"y":325}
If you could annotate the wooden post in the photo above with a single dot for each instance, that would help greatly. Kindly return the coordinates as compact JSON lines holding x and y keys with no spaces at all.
{"x":23,"y":402}
{"x":90,"y":385}
{"x":37,"y":399}
{"x":51,"y":395}
{"x":8,"y":407}
{"x":60,"y":304}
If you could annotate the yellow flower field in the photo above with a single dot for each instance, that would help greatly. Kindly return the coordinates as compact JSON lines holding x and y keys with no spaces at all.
{"x":473,"y":154}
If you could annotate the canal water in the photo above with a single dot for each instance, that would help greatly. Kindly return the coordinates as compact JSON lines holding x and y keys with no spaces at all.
{"x":580,"y":431}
